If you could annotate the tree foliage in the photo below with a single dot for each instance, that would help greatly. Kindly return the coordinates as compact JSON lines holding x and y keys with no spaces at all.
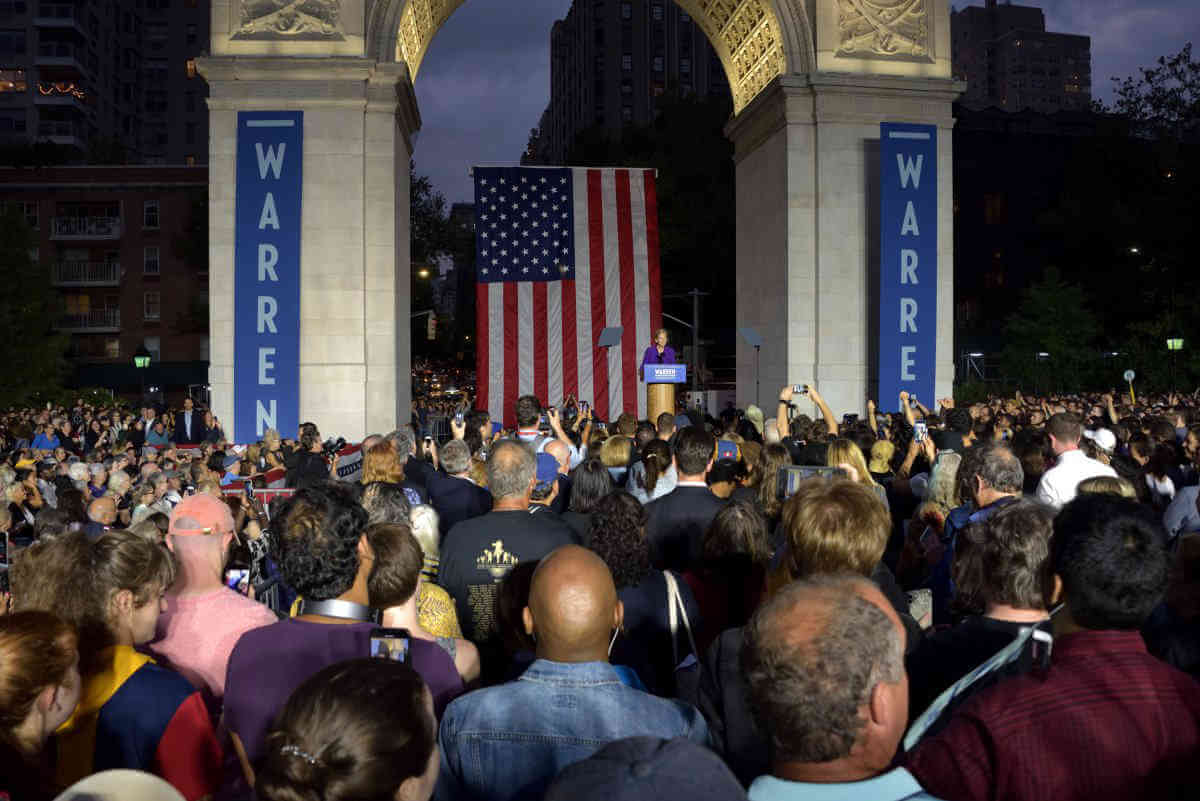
{"x":1052,"y":318}
{"x":32,"y":353}
{"x":1163,"y":101}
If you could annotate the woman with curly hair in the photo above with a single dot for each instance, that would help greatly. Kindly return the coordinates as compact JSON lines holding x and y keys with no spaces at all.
{"x":645,"y":642}
{"x":319,"y":543}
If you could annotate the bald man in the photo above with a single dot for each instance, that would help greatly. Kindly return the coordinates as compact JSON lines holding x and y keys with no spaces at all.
{"x":204,"y":618}
{"x":102,"y":513}
{"x":510,"y":741}
{"x":824,"y":666}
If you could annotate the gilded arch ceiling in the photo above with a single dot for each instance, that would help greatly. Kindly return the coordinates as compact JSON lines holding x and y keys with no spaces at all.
{"x":746,"y":35}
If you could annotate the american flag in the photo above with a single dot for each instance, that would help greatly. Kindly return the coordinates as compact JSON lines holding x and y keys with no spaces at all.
{"x":561,"y":254}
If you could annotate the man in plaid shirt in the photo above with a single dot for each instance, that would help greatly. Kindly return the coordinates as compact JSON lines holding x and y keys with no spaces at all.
{"x":1107,"y":720}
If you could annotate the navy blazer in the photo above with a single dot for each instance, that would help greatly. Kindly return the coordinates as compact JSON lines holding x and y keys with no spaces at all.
{"x":455,"y":499}
{"x":675,"y":526}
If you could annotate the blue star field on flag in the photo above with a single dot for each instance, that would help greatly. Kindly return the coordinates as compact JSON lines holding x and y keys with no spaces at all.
{"x":525,"y":224}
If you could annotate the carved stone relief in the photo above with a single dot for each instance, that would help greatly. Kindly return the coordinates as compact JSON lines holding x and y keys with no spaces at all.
{"x":884,"y":29}
{"x":290,"y":19}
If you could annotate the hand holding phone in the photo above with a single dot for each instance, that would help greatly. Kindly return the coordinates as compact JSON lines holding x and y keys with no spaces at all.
{"x":390,"y":644}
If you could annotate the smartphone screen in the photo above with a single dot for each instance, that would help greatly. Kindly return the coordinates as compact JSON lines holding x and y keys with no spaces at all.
{"x":790,"y":478}
{"x":390,"y":644}
{"x":920,"y":431}
{"x":726,"y":449}
{"x":238,"y":579}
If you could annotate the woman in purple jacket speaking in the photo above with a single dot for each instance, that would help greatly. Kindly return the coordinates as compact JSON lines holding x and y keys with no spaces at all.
{"x":659,"y":352}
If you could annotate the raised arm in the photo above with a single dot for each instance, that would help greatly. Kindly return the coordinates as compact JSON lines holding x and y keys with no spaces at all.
{"x":830,"y":422}
{"x":871,"y":417}
{"x":904,"y":407}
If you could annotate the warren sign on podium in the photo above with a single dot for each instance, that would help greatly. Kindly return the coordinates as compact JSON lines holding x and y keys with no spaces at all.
{"x":908,"y":266}
{"x":266,"y":340}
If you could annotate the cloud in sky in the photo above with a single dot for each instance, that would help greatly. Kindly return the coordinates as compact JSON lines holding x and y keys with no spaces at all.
{"x":486,"y":78}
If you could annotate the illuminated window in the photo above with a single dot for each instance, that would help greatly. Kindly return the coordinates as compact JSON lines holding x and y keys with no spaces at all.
{"x":12,"y":80}
{"x":191,"y":68}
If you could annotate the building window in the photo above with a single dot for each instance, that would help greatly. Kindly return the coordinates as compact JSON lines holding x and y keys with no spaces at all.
{"x":154,"y":345}
{"x":204,"y":349}
{"x":12,"y":80}
{"x":150,"y":260}
{"x":189,"y":161}
{"x":151,"y":307}
{"x":191,"y":68}
{"x":656,"y":12}
{"x":627,"y":62}
{"x":12,"y":122}
{"x":191,"y":33}
{"x":627,"y":113}
{"x":658,"y":63}
{"x":685,"y":66}
{"x":12,"y":43}
{"x":685,"y":17}
{"x":626,"y":10}
{"x":150,"y":214}
{"x":112,"y":348}
{"x":30,"y":210}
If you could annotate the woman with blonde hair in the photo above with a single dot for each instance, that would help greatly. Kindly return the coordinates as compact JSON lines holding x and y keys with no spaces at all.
{"x":844,"y":453}
{"x":615,"y":453}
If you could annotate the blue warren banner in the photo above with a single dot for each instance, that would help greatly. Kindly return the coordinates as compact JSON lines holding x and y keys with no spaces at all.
{"x":908,"y":263}
{"x":266,"y":343}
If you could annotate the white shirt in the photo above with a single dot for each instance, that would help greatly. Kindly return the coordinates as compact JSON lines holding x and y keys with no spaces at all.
{"x":1060,"y":483}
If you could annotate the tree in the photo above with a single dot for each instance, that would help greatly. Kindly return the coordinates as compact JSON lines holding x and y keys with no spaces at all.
{"x":431,"y":240}
{"x":1052,"y":318}
{"x":1163,"y":101}
{"x":687,"y":146}
{"x":33,"y":353}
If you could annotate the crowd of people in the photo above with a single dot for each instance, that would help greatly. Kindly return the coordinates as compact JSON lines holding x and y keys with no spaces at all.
{"x":994,"y":601}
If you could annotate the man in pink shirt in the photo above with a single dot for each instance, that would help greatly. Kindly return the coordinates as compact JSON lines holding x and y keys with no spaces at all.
{"x":204,"y":618}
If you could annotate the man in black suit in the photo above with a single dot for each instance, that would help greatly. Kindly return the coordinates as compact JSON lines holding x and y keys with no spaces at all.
{"x":676,"y":522}
{"x":453,"y":494}
{"x":189,"y":425}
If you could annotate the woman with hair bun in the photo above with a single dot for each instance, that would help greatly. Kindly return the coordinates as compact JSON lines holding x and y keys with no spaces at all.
{"x":39,"y":689}
{"x":361,"y":730}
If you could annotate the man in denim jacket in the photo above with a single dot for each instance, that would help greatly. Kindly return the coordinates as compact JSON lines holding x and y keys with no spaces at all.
{"x":509,"y":742}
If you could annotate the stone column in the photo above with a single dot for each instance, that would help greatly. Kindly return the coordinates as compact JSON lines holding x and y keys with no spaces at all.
{"x":359,"y":116}
{"x":807,"y":153}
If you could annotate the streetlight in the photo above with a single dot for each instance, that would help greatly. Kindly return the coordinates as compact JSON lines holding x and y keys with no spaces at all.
{"x":141,"y":360}
{"x":1174,"y":345}
{"x":422,"y":273}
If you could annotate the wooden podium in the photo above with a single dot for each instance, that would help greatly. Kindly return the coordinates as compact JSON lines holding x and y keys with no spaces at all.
{"x":660,"y":388}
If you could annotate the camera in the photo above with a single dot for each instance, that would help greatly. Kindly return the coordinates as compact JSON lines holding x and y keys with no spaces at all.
{"x":331,"y":446}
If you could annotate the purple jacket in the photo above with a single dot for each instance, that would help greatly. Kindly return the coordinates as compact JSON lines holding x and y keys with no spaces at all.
{"x":651,"y":356}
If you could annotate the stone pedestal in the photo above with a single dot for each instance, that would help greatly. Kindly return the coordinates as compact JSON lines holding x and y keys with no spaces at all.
{"x":359,"y":115}
{"x":807,"y":185}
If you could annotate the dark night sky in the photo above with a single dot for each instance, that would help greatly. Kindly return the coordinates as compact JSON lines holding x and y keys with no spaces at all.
{"x":486,"y":78}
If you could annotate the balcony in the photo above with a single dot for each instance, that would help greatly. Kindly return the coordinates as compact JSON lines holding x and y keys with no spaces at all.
{"x":61,"y":132}
{"x":67,"y":57}
{"x":85,"y":228}
{"x":97,"y":321}
{"x":61,"y":93}
{"x":58,"y":15}
{"x":86,"y":273}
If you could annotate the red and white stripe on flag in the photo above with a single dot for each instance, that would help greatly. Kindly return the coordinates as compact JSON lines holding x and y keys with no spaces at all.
{"x":539,"y":337}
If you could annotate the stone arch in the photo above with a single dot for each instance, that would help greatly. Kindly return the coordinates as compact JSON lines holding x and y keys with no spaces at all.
{"x":756,"y":40}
